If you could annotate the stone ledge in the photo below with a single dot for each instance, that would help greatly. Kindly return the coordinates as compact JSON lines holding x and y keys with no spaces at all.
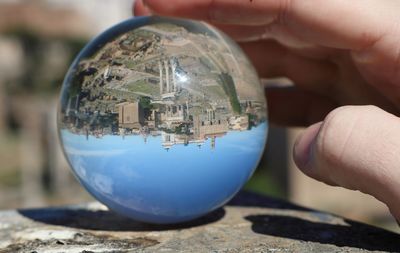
{"x":249,"y":223}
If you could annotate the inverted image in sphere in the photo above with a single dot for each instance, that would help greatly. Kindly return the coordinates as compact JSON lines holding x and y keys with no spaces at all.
{"x":163,"y":120}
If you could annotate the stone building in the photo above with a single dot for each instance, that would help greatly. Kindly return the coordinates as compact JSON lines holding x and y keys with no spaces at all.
{"x":130,"y":115}
{"x":175,"y":114}
{"x":208,"y":125}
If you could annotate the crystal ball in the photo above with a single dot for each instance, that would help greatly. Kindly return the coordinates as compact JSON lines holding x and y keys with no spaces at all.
{"x":162,"y":120}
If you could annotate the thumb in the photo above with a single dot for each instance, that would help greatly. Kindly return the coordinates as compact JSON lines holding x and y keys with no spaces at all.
{"x":356,"y":147}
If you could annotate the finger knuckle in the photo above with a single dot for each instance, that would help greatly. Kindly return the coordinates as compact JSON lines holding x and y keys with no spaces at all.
{"x":344,"y":130}
{"x":334,"y":136}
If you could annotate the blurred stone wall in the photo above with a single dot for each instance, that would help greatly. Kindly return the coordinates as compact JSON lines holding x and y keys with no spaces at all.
{"x":38,"y":41}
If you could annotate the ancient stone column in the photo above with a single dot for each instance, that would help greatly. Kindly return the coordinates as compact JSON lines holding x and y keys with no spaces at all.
{"x":29,"y":117}
{"x":167,"y":75}
{"x":160,"y":67}
{"x":3,"y":109}
{"x":60,"y":177}
{"x":173,"y":68}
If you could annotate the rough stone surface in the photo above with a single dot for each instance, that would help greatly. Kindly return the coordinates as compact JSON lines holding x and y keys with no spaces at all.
{"x":249,"y":223}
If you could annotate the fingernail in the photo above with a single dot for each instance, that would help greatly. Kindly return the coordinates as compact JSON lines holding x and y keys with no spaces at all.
{"x":303,"y":146}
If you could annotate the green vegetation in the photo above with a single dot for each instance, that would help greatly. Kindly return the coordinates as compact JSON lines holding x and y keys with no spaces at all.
{"x":143,"y":87}
{"x":262,"y":183}
{"x":106,"y":121}
{"x":131,"y":64}
{"x":122,"y":96}
{"x":145,"y":103}
{"x":252,"y":119}
{"x":229,"y":87}
{"x":216,"y":91}
{"x":181,"y":129}
{"x":167,"y":27}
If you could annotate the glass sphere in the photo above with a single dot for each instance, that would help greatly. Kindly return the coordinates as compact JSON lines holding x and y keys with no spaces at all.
{"x":162,"y":120}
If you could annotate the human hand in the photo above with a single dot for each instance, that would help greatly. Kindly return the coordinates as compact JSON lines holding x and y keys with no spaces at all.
{"x":337,"y":53}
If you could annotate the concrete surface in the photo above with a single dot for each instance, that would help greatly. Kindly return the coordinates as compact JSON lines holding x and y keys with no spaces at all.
{"x":249,"y":223}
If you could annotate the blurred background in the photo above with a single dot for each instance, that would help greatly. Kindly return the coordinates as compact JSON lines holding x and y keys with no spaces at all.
{"x":38,"y":41}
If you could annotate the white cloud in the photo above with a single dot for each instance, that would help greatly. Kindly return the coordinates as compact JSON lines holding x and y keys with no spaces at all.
{"x":99,"y":152}
{"x":103,"y":184}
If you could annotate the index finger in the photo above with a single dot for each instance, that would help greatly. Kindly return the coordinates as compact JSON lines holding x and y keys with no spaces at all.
{"x":353,"y":25}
